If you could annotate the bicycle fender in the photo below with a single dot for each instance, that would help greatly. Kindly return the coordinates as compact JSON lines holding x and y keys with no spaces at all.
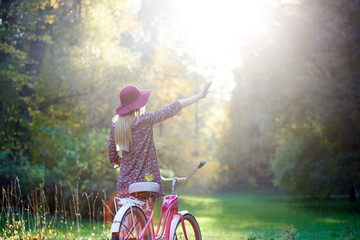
{"x":116,"y":222}
{"x":175,"y":222}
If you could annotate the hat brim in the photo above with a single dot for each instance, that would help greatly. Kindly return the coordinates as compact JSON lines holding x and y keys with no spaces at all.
{"x":140,"y":102}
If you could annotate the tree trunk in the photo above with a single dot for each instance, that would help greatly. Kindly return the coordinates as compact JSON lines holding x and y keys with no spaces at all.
{"x":37,"y":50}
{"x":36,"y":54}
{"x":352,"y":194}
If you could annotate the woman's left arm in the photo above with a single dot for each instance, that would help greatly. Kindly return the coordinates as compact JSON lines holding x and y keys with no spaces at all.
{"x":114,"y":157}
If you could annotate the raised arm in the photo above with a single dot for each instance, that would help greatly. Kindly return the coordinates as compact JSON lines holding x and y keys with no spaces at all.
{"x":188,"y":101}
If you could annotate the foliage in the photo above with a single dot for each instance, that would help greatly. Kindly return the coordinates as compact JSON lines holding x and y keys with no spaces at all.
{"x":50,"y":54}
{"x":62,"y":64}
{"x":292,"y":122}
{"x":289,"y":233}
{"x":246,"y":215}
{"x":294,"y":115}
{"x":327,"y":133}
{"x":34,"y":217}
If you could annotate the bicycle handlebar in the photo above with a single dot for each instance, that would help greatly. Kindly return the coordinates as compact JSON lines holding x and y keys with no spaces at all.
{"x":201,"y":164}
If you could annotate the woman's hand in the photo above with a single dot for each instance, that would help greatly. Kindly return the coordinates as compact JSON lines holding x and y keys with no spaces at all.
{"x":116,"y":166}
{"x":188,"y":101}
{"x":205,"y":90}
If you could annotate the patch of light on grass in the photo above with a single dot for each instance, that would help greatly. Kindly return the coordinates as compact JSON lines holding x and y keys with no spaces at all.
{"x":212,"y":229}
{"x":329,"y":220}
{"x":203,"y":200}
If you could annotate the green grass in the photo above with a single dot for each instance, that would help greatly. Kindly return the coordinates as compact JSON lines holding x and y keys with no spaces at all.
{"x":249,"y":217}
{"x":237,"y":216}
{"x":87,"y":231}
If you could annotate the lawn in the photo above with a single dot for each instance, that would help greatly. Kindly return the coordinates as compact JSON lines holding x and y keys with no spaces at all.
{"x":252,"y":216}
{"x":246,"y":216}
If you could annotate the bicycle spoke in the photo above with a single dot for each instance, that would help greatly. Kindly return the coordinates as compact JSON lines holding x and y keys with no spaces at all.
{"x":132,"y":230}
{"x":131,"y":226}
{"x":191,"y":228}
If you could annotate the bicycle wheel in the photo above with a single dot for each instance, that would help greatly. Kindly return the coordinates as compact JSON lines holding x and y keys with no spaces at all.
{"x":131,"y":226}
{"x":191,"y":226}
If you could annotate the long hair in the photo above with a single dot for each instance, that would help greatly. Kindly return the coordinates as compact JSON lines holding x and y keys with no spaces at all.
{"x":123,"y":135}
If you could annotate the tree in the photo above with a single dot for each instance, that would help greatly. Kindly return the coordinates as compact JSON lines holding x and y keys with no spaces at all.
{"x":304,"y":95}
{"x":23,"y":37}
{"x":329,"y":128}
{"x":62,"y":66}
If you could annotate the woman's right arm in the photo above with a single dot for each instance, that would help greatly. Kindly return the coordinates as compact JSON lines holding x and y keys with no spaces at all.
{"x":188,"y":101}
{"x":175,"y":108}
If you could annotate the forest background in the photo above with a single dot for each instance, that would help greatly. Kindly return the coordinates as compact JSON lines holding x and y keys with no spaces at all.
{"x":288,"y":119}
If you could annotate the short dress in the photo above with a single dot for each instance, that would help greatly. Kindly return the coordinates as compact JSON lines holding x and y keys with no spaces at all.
{"x":140,"y":164}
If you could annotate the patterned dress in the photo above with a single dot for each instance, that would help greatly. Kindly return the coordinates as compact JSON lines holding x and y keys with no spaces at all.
{"x":140,"y":164}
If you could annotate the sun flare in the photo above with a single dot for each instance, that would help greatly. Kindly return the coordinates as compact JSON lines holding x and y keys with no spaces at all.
{"x":215,"y":30}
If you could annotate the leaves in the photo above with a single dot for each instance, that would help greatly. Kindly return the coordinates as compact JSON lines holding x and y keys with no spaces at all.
{"x":63,"y":65}
{"x":294,"y":111}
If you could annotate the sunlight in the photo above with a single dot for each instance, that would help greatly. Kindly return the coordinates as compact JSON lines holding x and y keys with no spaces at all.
{"x":214,"y":30}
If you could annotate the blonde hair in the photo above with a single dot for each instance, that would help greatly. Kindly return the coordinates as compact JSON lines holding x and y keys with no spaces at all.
{"x":123,"y":135}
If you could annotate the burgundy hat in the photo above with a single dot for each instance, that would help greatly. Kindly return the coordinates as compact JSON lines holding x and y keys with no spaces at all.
{"x":131,"y":98}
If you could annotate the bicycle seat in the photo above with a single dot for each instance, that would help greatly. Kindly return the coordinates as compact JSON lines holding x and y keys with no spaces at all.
{"x":144,"y":187}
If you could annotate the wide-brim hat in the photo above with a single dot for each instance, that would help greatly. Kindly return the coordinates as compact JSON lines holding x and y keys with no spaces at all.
{"x":131,"y":98}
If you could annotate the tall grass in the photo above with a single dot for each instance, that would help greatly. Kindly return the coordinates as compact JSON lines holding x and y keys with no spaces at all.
{"x":70,"y":214}
{"x":32,"y":217}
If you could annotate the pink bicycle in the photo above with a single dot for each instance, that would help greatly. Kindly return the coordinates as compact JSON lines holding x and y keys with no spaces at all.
{"x":132,"y":222}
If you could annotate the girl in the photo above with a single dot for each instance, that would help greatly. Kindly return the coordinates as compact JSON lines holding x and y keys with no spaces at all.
{"x":132,"y":133}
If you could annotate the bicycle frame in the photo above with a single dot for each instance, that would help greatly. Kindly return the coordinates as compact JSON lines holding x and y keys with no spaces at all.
{"x":169,"y":209}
